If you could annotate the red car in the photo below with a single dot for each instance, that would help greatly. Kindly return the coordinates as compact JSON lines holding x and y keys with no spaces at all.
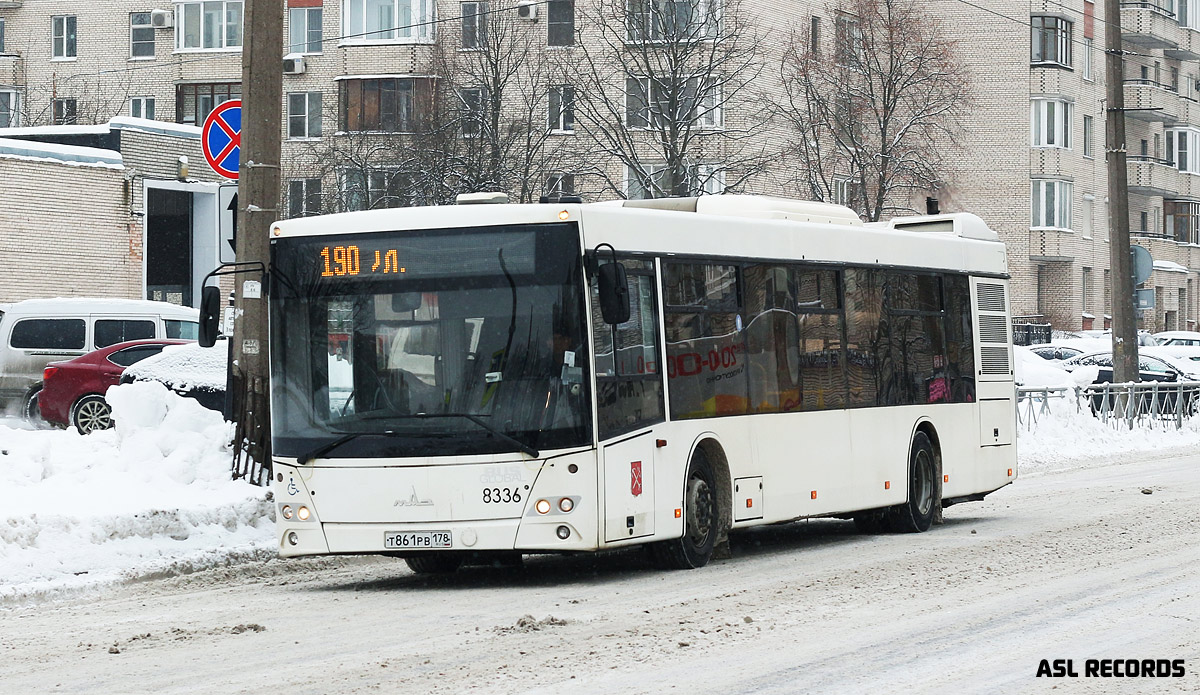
{"x":73,"y":390}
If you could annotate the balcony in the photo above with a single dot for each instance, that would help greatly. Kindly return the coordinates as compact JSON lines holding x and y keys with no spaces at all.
{"x":1188,"y":47}
{"x":1154,"y":102}
{"x":1149,"y":25}
{"x":1051,"y":245}
{"x":1152,"y":176}
{"x":10,"y":70}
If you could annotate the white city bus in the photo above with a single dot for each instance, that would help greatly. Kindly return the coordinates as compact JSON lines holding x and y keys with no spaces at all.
{"x":445,"y":383}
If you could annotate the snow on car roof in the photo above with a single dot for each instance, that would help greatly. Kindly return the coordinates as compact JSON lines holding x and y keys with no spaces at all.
{"x":185,"y":366}
{"x":90,"y":305}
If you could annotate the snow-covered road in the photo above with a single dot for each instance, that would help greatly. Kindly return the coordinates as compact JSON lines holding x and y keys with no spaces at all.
{"x":1075,"y":564}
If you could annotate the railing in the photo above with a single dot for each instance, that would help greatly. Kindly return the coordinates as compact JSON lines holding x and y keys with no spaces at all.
{"x":1151,"y":83}
{"x":1146,"y":404}
{"x":1030,"y":333}
{"x":1149,"y":158}
{"x":1163,"y":7}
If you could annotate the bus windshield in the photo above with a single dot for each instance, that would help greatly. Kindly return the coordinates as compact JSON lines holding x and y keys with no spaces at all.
{"x":432,"y":342}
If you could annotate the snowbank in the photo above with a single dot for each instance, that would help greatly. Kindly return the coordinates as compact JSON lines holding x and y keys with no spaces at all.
{"x":1069,"y":437}
{"x":151,"y":495}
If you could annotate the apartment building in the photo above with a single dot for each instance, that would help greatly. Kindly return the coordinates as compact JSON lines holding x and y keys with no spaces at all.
{"x":361,"y":74}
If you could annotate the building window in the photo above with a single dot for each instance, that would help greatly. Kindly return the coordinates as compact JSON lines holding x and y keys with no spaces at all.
{"x":304,"y":115}
{"x":10,"y":109}
{"x":1087,"y":59}
{"x":388,"y":20}
{"x":208,"y":25}
{"x":702,"y":179}
{"x":65,"y":112}
{"x":647,"y":103}
{"x":670,"y":20}
{"x":141,"y":35}
{"x":559,"y":184}
{"x":1182,"y":146}
{"x":193,"y":102}
{"x":1,"y":36}
{"x":847,"y":40}
{"x":142,"y":107}
{"x":1088,"y":149}
{"x":376,"y":188}
{"x":474,"y":24}
{"x":387,"y":105}
{"x":1188,"y":13}
{"x":474,"y":101}
{"x":560,"y":23}
{"x":1051,"y":203}
{"x":304,"y":30}
{"x":1050,"y":123}
{"x":1051,"y":43}
{"x":814,"y":36}
{"x":1087,"y":289}
{"x":1182,"y":219}
{"x":304,"y":197}
{"x":64,"y":36}
{"x":562,"y":109}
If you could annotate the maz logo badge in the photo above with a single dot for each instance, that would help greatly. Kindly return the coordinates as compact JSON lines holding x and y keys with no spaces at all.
{"x":635,"y":478}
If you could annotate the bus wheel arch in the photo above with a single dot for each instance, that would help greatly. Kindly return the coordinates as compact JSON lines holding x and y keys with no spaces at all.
{"x":705,"y":478}
{"x":923,"y":497}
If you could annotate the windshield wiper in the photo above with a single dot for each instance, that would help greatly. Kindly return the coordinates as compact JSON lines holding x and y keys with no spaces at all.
{"x":331,"y":445}
{"x":522,"y":446}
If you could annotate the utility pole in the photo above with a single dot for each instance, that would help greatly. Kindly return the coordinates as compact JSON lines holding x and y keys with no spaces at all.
{"x":258,"y":198}
{"x":1124,"y":335}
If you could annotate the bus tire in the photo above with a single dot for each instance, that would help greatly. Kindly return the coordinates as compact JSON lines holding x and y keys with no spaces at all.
{"x":434,"y":563}
{"x":701,"y":520}
{"x":916,"y":515}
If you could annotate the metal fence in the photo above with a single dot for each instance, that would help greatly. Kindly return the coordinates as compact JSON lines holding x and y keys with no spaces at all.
{"x":1148,"y":404}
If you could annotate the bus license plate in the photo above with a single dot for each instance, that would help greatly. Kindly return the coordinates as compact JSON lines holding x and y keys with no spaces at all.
{"x":416,"y":539}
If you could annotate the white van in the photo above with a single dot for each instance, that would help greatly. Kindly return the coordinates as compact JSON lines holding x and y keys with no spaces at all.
{"x":37,"y":331}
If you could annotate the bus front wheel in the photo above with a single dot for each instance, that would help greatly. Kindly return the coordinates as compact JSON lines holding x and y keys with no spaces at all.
{"x":701,"y":519}
{"x":434,"y":563}
{"x":916,"y":515}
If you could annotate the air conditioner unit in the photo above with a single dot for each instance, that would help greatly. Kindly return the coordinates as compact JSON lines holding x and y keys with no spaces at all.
{"x":162,"y":19}
{"x":293,"y":65}
{"x":528,"y":9}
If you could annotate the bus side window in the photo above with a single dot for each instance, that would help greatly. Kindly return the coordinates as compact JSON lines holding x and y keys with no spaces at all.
{"x":629,"y":386}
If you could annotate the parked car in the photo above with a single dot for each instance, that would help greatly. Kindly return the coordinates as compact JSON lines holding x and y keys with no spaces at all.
{"x":1150,"y":368}
{"x":1184,"y":338}
{"x":73,"y":390}
{"x":189,"y":370}
{"x":1055,"y":352}
{"x":35,"y":332}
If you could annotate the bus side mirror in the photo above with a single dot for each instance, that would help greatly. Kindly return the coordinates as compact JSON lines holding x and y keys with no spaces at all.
{"x":614,"y":293}
{"x":210,"y":311}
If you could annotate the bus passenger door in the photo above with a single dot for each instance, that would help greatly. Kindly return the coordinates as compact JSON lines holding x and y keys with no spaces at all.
{"x":629,"y":488}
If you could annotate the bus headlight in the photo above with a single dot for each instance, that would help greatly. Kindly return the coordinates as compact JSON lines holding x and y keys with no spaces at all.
{"x":287,"y":512}
{"x":542,"y":506}
{"x":566,"y":504}
{"x":302,"y":514}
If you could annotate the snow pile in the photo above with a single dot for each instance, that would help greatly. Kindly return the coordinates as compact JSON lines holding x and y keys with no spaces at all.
{"x":151,"y":495}
{"x":185,"y":367}
{"x":1070,"y":437}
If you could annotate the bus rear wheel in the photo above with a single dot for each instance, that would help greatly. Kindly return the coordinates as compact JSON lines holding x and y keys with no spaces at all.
{"x":916,"y":515}
{"x":434,"y":563}
{"x":701,"y":520}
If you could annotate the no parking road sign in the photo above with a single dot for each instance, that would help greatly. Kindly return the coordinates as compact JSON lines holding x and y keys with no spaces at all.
{"x":222,"y":138}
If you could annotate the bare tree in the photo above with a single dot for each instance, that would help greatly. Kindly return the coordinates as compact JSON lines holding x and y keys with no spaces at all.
{"x":482,"y":125}
{"x":87,"y":98}
{"x":873,"y":120}
{"x":657,"y":76}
